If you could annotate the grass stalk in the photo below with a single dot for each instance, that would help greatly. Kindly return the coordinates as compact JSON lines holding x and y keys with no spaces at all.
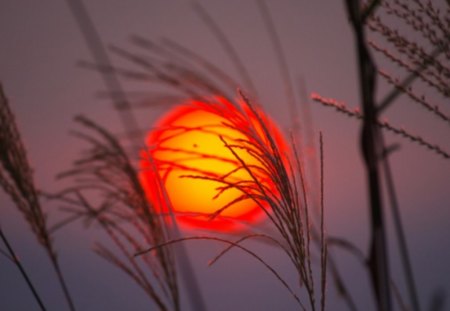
{"x":234,"y":244}
{"x":227,"y":46}
{"x":94,"y":43}
{"x":370,"y":148}
{"x":101,"y":57}
{"x":16,"y":179}
{"x":282,"y":65}
{"x":403,"y":247}
{"x":383,"y":124}
{"x":18,"y":264}
{"x":323,"y":240}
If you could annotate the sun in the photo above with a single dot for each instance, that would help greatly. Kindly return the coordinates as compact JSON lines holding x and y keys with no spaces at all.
{"x":204,"y":154}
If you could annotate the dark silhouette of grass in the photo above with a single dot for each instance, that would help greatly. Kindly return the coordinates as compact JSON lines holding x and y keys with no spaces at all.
{"x":148,"y":241}
{"x":356,"y":113}
{"x":16,"y":179}
{"x":11,"y":255}
{"x":131,"y":127}
{"x":124,"y":214}
{"x":425,"y":19}
{"x":276,"y":185}
{"x":370,"y":148}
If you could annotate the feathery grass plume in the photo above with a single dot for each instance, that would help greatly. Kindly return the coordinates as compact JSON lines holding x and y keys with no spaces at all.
{"x":384,"y":124}
{"x":271,"y":184}
{"x":423,"y":57}
{"x":421,"y":100}
{"x":427,"y":56}
{"x":286,"y":205}
{"x":195,"y":79}
{"x":124,"y":213}
{"x":132,"y":131}
{"x":16,"y":179}
{"x":419,"y":61}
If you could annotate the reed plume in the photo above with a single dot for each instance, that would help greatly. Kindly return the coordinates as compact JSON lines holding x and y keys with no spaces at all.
{"x":16,"y":179}
{"x":124,"y":213}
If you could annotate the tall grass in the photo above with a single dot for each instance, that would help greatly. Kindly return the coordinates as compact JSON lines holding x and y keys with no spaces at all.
{"x":147,"y":245}
{"x":420,"y":60}
{"x":124,"y":214}
{"x":16,"y":179}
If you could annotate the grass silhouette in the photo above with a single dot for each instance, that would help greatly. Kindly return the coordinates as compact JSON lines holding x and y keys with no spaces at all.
{"x":149,"y":247}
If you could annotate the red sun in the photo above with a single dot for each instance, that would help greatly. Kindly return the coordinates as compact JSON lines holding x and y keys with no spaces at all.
{"x":203,"y":176}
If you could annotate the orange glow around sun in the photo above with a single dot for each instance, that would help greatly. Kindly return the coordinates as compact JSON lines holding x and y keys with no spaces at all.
{"x":197,"y":169}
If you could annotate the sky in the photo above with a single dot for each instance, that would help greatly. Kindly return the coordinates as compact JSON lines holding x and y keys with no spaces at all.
{"x":40,"y":48}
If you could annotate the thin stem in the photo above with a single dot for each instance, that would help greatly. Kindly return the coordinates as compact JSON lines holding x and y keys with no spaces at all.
{"x":228,"y":47}
{"x":189,"y":277}
{"x":16,"y":261}
{"x":98,"y":51}
{"x":62,"y":281}
{"x":246,"y":250}
{"x":404,"y":253}
{"x":282,"y":65}
{"x":323,"y":241}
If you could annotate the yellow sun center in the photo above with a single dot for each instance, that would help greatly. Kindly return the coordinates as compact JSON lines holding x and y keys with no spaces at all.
{"x":201,"y":174}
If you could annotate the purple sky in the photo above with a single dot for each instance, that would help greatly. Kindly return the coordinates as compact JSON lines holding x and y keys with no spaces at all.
{"x":40,"y":45}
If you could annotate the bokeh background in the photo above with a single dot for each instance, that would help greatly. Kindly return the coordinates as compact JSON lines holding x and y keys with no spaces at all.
{"x":40,"y":45}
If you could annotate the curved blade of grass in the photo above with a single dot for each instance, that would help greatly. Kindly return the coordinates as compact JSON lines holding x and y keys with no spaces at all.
{"x":251,"y":253}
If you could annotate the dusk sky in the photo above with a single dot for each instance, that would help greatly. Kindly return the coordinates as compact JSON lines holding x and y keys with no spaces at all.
{"x":39,"y":51}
